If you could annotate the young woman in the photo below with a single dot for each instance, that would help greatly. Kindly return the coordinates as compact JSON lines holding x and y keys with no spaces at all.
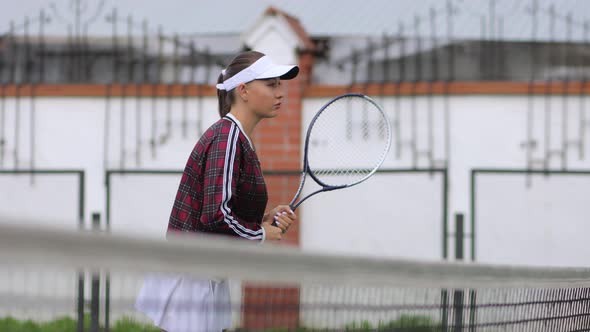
{"x":222,"y":191}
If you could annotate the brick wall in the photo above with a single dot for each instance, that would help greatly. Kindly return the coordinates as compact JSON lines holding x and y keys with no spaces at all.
{"x":279,"y":148}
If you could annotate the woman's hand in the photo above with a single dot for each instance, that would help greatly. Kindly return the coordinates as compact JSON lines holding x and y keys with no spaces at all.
{"x":272,"y":233}
{"x":282,"y":216}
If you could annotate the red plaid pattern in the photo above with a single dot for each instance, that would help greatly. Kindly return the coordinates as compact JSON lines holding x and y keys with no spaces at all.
{"x":222,"y":189}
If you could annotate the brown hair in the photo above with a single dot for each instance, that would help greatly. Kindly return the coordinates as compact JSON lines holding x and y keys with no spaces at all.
{"x":242,"y":61}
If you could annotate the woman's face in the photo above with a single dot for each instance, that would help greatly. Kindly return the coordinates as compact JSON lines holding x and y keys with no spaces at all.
{"x":265,"y":97}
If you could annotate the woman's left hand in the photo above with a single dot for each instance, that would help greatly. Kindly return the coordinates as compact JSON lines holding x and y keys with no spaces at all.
{"x":282,"y":216}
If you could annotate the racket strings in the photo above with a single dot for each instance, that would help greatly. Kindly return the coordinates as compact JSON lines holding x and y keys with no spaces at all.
{"x":348,"y":141}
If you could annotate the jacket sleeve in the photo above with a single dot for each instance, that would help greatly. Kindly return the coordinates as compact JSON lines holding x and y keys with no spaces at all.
{"x":186,"y":202}
{"x":222,"y":171}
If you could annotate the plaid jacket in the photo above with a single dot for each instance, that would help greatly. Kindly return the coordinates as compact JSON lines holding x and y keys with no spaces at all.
{"x":222,"y":189}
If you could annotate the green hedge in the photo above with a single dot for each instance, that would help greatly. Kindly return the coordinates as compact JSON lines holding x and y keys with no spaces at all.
{"x":405,"y":323}
{"x":70,"y":325}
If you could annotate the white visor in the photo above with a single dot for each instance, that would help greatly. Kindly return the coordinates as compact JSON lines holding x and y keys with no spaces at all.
{"x":261,"y":69}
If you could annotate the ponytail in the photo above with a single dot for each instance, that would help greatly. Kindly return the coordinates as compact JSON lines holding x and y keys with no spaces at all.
{"x":224,"y":98}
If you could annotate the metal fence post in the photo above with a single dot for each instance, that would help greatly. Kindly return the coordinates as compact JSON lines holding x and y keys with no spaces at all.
{"x":458,"y":293}
{"x":95,"y":284}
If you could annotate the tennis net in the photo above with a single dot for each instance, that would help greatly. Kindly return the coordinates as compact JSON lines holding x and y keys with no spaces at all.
{"x":92,"y":281}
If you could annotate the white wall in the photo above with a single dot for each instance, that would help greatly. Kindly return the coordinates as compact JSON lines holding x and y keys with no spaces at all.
{"x":543,"y":223}
{"x":384,"y":216}
{"x":70,"y":134}
{"x":142,"y":203}
{"x":485,"y":132}
{"x":391,"y":215}
{"x":34,"y":197}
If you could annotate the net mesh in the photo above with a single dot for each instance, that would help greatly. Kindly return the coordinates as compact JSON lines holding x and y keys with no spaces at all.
{"x":196,"y":283}
{"x":351,"y":132}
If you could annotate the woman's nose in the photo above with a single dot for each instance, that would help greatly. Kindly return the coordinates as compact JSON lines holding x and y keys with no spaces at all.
{"x":280,"y":92}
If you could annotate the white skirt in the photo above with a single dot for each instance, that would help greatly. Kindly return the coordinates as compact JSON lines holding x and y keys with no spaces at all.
{"x":181,"y":304}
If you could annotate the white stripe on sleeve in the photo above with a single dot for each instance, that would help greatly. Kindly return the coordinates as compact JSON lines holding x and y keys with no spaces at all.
{"x":228,"y":168}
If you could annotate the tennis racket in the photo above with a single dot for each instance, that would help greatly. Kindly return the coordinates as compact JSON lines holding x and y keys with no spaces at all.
{"x":346,"y":142}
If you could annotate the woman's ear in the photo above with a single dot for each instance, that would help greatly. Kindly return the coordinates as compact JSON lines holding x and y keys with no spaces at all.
{"x":242,"y":91}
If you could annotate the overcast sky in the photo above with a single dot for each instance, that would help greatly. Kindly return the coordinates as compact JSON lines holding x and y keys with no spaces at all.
{"x":319,"y":17}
